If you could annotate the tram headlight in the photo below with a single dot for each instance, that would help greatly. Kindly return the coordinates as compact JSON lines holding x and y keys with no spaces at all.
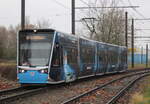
{"x":21,"y":71}
{"x":44,"y":71}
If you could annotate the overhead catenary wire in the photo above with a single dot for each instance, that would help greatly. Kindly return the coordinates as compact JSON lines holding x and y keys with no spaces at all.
{"x":67,"y":8}
{"x":91,"y":7}
{"x":94,"y":7}
{"x":62,"y":5}
{"x":136,"y":10}
{"x":85,"y":3}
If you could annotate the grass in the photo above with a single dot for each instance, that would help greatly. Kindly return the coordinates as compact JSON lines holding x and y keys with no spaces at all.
{"x":137,"y":98}
{"x":136,"y":66}
{"x":8,"y":69}
{"x":144,"y":97}
{"x":141,"y":98}
{"x":8,"y":63}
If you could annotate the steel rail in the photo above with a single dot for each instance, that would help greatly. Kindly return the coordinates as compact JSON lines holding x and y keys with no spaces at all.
{"x":15,"y":90}
{"x":3,"y":92}
{"x":124,"y":89}
{"x":73,"y":99}
{"x":22,"y":94}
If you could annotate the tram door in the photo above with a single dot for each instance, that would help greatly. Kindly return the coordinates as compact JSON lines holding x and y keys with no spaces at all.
{"x":70,"y":63}
{"x":56,"y":65}
{"x":102,"y":58}
{"x":102,"y":61}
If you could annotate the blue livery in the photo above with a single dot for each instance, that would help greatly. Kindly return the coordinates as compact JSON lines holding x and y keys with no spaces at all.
{"x":47,"y":56}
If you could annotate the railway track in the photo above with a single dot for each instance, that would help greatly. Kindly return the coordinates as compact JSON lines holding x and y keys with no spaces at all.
{"x":22,"y":92}
{"x":16,"y":93}
{"x":124,"y":89}
{"x":138,"y":75}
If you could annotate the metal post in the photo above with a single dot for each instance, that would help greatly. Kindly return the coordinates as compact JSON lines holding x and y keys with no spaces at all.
{"x":142,"y":55}
{"x":73,"y":17}
{"x":132,"y":42}
{"x":126,"y":29}
{"x":146,"y":55}
{"x":22,"y":14}
{"x":126,"y":33}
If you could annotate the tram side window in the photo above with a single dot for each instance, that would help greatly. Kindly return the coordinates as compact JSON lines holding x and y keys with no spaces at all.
{"x":87,"y":55}
{"x":100,"y":58}
{"x":115,"y":57}
{"x":100,"y":55}
{"x":109,"y":57}
{"x":103,"y":56}
{"x":72,"y":55}
{"x":104,"y":53}
{"x":56,"y":57}
{"x":124,"y":56}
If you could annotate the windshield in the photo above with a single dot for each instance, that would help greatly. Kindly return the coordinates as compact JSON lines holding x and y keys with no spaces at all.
{"x":35,"y":49}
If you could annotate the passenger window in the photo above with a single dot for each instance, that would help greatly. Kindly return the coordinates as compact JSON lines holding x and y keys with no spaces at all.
{"x":100,"y":58}
{"x":56,"y":57}
{"x":87,"y":55}
{"x":72,"y":56}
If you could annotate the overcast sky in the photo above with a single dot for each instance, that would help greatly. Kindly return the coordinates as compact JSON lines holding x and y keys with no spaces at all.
{"x":59,"y":14}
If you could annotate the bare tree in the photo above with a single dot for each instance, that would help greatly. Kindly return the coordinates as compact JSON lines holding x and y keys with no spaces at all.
{"x":108,"y":25}
{"x":43,"y":24}
{"x":8,"y":40}
{"x":2,"y":40}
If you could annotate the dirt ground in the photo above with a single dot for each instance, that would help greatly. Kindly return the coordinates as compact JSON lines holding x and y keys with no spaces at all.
{"x":8,"y":77}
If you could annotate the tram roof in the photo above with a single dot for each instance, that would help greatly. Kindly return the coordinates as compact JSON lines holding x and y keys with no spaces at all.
{"x":76,"y":36}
